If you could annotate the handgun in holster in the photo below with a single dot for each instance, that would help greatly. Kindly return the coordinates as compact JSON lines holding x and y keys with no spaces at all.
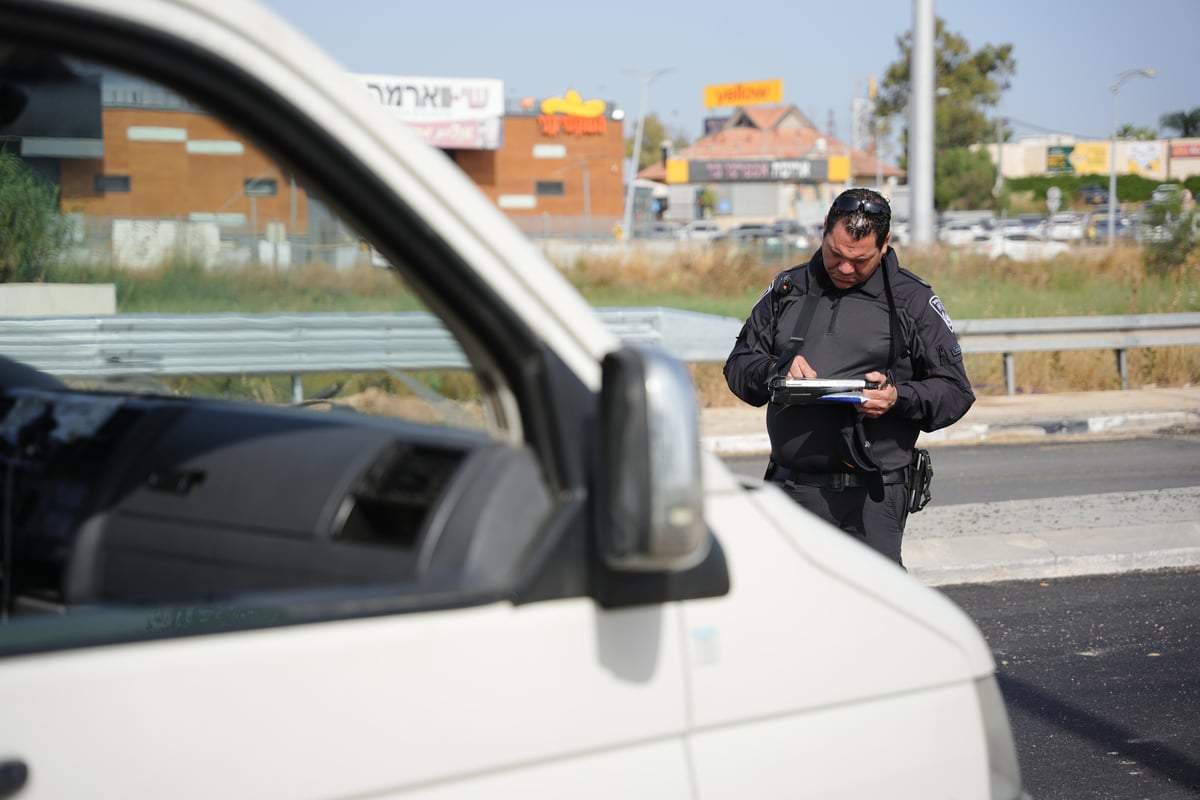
{"x":920,"y":475}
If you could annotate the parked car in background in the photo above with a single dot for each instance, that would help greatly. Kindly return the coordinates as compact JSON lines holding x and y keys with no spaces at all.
{"x":1092,"y":194}
{"x":1126,"y":228}
{"x":1033,"y":224}
{"x":747,"y":233}
{"x":700,"y":229}
{"x":663,"y":230}
{"x":1168,"y":194}
{"x":797,"y":235}
{"x":764,"y":243}
{"x":1066,"y":226}
{"x":1018,"y":246}
{"x":957,"y":232}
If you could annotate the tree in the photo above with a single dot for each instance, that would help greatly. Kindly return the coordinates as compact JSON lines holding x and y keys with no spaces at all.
{"x":654,"y":133}
{"x":31,"y":230}
{"x":968,"y":83}
{"x":963,"y":179}
{"x":1186,"y":122}
{"x":1130,"y":131}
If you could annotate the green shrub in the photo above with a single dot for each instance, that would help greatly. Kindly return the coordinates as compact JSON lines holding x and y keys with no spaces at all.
{"x":31,"y":230}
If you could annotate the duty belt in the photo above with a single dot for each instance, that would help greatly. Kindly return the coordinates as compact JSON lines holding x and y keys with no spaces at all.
{"x":836,"y":481}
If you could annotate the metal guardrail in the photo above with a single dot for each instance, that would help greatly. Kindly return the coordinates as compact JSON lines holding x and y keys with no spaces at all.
{"x":1041,"y":334}
{"x":297,"y":344}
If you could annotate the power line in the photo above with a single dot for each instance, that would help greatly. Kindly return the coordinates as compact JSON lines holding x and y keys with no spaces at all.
{"x":1043,"y":129}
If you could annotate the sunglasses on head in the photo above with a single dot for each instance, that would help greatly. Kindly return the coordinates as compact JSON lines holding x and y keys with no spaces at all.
{"x":848,"y":205}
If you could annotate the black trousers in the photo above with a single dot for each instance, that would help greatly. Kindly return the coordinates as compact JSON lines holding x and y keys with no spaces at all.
{"x":877,"y":524}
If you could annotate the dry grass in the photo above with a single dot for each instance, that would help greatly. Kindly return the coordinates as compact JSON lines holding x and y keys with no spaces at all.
{"x":1093,"y":281}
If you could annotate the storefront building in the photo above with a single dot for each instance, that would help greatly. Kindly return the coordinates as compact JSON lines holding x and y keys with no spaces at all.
{"x":764,"y":163}
{"x":560,"y":170}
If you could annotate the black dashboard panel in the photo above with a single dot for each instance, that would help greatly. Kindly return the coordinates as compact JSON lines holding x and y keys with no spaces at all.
{"x":135,"y":499}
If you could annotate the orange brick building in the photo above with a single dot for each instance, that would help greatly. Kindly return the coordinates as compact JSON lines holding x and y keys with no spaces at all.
{"x":553,"y":173}
{"x":185,"y":162}
{"x":556,"y":173}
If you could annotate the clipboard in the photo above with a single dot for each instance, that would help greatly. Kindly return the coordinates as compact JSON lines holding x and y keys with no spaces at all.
{"x":807,"y":391}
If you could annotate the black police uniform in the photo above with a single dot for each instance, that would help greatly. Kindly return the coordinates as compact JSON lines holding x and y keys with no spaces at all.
{"x":850,"y":334}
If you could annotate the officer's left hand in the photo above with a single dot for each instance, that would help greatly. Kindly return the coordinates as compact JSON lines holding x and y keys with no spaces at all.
{"x":878,"y":401}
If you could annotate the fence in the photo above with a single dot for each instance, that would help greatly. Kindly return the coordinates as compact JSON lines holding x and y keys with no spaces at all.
{"x":297,"y":344}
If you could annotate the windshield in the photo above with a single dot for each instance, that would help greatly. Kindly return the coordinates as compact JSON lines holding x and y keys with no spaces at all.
{"x":153,"y":248}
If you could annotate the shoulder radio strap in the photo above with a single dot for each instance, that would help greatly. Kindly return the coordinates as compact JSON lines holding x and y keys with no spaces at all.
{"x":893,"y":319}
{"x":802,"y":322}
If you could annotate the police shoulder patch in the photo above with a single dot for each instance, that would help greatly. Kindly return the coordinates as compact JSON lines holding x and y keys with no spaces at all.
{"x":936,"y":304}
{"x":915,"y":277}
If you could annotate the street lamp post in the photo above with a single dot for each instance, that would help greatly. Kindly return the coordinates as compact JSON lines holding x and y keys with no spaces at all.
{"x":647,"y":78}
{"x":1112,"y":149}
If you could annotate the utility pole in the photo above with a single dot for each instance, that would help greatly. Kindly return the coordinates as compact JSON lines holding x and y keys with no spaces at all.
{"x":920,"y":126}
{"x":646,"y":78}
{"x":1112,"y":149}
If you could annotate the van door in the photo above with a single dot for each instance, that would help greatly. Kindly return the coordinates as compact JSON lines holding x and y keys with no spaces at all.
{"x":554,"y":699}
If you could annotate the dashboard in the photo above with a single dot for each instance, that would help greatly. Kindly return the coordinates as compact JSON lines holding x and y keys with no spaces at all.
{"x":125,"y":498}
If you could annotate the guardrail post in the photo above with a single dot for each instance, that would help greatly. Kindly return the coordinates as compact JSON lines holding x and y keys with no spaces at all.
{"x":1123,"y":367}
{"x":1010,"y":374}
{"x":297,"y":390}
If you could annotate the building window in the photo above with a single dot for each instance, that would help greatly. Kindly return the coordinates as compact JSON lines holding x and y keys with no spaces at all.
{"x":112,"y":183}
{"x":550,"y":188}
{"x":261,"y":187}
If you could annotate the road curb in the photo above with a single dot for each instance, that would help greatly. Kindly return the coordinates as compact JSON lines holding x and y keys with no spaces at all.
{"x":979,"y":433}
{"x":1052,"y":554}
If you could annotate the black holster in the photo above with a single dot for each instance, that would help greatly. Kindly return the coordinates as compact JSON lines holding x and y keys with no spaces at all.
{"x":920,"y":475}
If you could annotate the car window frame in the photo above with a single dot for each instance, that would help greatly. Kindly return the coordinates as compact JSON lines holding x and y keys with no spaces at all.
{"x":526,"y":380}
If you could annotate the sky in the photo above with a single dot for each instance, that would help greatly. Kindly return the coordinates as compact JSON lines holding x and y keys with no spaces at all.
{"x":1068,"y":53}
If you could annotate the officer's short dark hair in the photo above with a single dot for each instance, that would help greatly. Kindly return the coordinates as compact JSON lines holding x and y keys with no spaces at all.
{"x":865,"y":212}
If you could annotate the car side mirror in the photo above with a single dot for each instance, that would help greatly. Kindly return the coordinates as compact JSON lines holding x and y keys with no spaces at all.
{"x":650,"y":499}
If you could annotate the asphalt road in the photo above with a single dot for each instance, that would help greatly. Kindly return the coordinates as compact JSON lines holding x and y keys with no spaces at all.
{"x":1029,"y":471}
{"x":1101,"y":679}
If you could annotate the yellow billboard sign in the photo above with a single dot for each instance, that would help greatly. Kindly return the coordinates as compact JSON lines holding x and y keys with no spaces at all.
{"x":743,"y":94}
{"x":1090,"y":158}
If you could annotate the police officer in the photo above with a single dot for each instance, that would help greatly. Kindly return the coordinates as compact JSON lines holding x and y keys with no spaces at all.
{"x":852,"y":312}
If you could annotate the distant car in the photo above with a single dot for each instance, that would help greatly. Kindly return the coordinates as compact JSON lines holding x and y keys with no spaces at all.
{"x":1066,"y":227}
{"x":1013,"y":224}
{"x":1092,"y":194}
{"x":663,"y":230}
{"x":764,"y":242}
{"x":797,"y":234}
{"x":1166,"y":194}
{"x":959,"y":232}
{"x":702,"y":229}
{"x":1034,"y":224}
{"x":747,"y":233}
{"x":1097,"y":230}
{"x":1147,"y":231}
{"x":1019,"y":246}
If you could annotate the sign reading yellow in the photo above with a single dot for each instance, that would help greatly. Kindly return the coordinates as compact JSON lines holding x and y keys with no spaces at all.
{"x":743,"y":94}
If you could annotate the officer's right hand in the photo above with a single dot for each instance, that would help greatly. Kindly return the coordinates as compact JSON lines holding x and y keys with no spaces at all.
{"x":800,"y":369}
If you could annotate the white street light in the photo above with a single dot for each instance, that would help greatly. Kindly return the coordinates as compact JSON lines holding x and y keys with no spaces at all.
{"x":647,"y":78}
{"x":1112,"y":149}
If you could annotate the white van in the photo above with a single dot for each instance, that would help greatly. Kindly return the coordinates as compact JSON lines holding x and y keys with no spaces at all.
{"x":539,"y":586}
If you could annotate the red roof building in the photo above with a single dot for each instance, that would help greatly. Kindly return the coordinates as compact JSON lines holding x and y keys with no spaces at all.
{"x":767,"y":162}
